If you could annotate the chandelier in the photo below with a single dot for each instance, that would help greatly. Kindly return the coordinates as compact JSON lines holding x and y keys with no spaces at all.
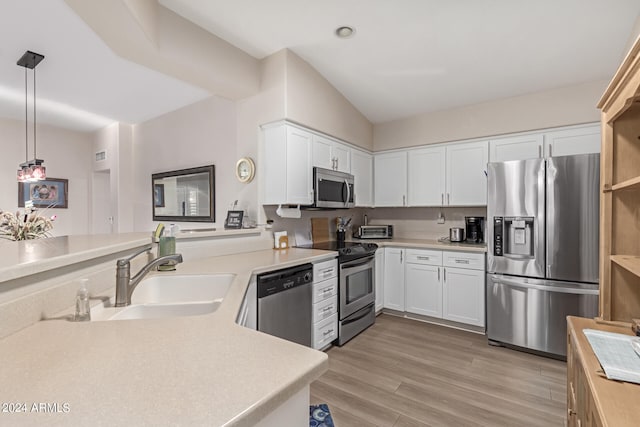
{"x":30,"y":170}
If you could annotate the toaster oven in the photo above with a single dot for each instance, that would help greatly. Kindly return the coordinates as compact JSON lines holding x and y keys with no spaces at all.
{"x":374,"y":232}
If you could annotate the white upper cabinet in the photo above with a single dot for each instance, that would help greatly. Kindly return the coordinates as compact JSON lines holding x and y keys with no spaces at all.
{"x":426,"y":176}
{"x":516,"y":148}
{"x":330,"y":154}
{"x":287,"y":173}
{"x":582,"y":140}
{"x":322,"y":157}
{"x":362,"y":171}
{"x":466,"y":182}
{"x":390,"y":179}
{"x":544,"y":144}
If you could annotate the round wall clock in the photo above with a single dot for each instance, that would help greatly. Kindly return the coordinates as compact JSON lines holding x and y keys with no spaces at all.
{"x":245,"y":169}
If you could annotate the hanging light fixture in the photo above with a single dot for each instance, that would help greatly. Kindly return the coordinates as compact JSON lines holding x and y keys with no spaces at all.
{"x":30,"y":170}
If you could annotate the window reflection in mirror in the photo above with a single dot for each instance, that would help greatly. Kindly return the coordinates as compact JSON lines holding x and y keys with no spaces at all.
{"x":184,"y":195}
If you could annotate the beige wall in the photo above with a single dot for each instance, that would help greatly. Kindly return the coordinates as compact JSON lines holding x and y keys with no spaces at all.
{"x":558,"y":107}
{"x":65,"y":154}
{"x":201,"y":134}
{"x":312,"y":101}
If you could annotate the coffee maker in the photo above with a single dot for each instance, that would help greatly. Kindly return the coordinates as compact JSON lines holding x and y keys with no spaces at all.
{"x":474,"y":229}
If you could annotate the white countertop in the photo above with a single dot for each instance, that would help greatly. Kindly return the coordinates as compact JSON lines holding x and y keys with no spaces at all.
{"x":26,"y":257}
{"x":201,"y":370}
{"x":428,"y":244}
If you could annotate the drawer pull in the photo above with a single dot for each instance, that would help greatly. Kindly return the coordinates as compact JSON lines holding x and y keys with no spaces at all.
{"x":329,"y":332}
{"x":324,"y":291}
{"x":424,"y":257}
{"x":330,"y":308}
{"x":462,"y":261}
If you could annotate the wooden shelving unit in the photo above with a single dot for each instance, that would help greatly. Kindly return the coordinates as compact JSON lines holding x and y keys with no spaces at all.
{"x":629,"y":263}
{"x":630,"y":184}
{"x":620,"y":193}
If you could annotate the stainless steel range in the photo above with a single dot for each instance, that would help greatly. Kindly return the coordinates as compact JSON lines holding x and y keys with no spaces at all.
{"x":356,"y":286}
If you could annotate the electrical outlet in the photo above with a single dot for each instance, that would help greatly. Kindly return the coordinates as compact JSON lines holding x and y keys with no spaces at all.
{"x":440,"y":218}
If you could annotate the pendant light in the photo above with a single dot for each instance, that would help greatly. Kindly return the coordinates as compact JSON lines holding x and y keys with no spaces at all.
{"x":30,"y":170}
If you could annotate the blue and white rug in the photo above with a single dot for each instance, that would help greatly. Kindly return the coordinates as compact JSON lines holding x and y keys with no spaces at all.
{"x":319,"y":416}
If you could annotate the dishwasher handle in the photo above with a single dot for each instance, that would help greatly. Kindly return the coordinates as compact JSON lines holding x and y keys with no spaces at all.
{"x":547,"y":288}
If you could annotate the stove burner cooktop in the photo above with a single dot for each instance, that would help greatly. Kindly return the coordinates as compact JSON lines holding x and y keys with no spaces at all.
{"x":347,"y":250}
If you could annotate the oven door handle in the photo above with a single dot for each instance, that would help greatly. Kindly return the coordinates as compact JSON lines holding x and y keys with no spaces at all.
{"x":355,"y":319}
{"x":357,"y":263}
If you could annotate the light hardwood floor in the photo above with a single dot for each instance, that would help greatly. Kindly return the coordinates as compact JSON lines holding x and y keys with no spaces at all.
{"x":405,"y":373}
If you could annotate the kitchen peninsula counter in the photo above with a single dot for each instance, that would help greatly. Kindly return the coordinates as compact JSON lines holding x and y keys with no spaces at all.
{"x":200,"y":370}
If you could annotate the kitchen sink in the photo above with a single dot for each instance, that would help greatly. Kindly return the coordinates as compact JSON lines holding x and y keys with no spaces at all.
{"x":170,"y":296}
{"x":155,"y":311}
{"x":182,"y":288}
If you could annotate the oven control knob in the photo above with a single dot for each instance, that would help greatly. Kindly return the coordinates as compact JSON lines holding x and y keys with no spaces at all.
{"x":307,"y":277}
{"x":347,"y":251}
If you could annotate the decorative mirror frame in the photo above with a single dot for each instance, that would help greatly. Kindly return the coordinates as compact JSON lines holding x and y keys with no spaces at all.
{"x":210,"y":170}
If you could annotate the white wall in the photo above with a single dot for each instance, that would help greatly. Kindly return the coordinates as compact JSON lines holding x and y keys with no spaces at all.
{"x":65,"y":154}
{"x":314,"y":102}
{"x":558,"y":107}
{"x":267,"y":106}
{"x":201,"y":134}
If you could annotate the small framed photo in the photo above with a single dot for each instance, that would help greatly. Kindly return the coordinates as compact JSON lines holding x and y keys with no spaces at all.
{"x":48,"y":193}
{"x":158,"y":195}
{"x":234,"y":220}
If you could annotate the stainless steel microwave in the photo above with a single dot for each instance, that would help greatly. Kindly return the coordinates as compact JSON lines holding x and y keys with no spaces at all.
{"x":332,"y":189}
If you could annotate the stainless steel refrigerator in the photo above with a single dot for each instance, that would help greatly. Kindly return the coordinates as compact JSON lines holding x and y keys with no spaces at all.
{"x":542,"y":249}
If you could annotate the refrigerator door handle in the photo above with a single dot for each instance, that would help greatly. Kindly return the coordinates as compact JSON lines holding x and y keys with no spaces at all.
{"x":562,"y":289}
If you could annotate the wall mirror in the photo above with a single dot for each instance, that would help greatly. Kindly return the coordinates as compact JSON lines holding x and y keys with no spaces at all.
{"x":184,"y":195}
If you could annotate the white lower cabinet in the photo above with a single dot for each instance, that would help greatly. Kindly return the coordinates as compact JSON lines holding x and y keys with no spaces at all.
{"x":325,"y":304}
{"x":379,"y":279}
{"x":325,"y":332}
{"x":463,"y":296}
{"x":394,"y":278}
{"x":423,"y":290}
{"x":441,"y":284}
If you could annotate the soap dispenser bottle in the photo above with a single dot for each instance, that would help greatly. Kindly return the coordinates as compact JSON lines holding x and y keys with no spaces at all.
{"x":83,"y":308}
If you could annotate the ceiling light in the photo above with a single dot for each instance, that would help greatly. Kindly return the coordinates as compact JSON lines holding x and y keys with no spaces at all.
{"x":345,"y":32}
{"x":30,"y":170}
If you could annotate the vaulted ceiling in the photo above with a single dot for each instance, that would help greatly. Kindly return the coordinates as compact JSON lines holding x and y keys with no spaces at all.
{"x":407,"y":57}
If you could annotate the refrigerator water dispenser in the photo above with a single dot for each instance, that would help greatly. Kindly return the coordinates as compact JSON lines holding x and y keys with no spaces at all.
{"x":513,"y":236}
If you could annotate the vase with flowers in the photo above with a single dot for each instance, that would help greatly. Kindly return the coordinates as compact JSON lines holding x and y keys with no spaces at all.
{"x":25,"y":225}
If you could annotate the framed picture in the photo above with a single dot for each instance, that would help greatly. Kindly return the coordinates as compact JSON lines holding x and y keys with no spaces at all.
{"x":158,"y":195}
{"x":234,"y":219}
{"x":48,"y":193}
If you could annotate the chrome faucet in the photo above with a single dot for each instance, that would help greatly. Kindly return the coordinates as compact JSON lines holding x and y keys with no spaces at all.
{"x":125,"y":284}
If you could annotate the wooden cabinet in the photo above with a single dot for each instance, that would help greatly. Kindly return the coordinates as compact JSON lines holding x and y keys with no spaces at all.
{"x":592,"y":399}
{"x":620,"y":193}
{"x":581,"y":139}
{"x":394,"y":278}
{"x":287,"y":174}
{"x":362,"y":171}
{"x":330,"y":154}
{"x":379,"y":279}
{"x":426,"y":176}
{"x":466,"y":180}
{"x":390,"y":179}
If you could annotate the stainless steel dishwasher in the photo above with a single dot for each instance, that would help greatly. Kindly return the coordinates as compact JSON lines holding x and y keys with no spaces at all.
{"x":285,"y":303}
